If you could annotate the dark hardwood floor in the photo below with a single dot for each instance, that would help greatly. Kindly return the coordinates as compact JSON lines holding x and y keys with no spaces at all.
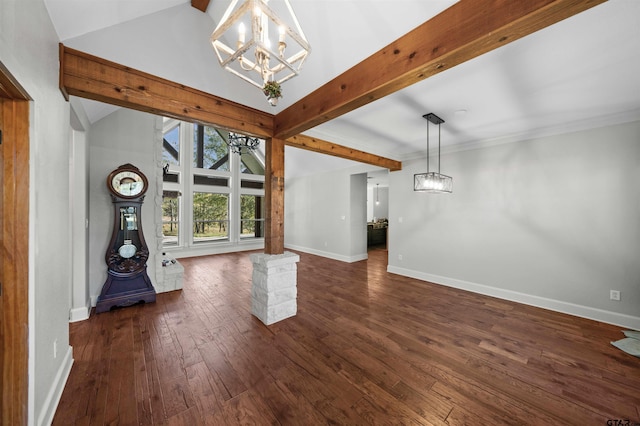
{"x":367,"y":347}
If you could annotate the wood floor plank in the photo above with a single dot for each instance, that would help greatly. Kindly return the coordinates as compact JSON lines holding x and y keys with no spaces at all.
{"x":428,"y":404}
{"x":141,"y":373}
{"x":156,"y":400}
{"x":177,"y":397}
{"x":329,"y":401}
{"x":205,"y":392}
{"x":120,"y":382}
{"x":226,"y":377}
{"x":546,"y":398}
{"x":283,"y":397}
{"x":366,"y":347}
{"x":379,"y":408}
{"x":190,"y":417}
{"x":242,"y":409}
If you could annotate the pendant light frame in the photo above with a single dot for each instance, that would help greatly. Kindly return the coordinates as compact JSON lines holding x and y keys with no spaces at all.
{"x":250,"y":42}
{"x":434,"y":182}
{"x":238,"y":143}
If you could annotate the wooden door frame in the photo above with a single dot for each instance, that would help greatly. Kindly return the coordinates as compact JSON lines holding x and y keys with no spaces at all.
{"x":14,"y":329}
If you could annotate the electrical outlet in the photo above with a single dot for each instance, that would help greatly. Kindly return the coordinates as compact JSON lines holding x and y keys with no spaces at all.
{"x":614,"y":295}
{"x":399,"y":257}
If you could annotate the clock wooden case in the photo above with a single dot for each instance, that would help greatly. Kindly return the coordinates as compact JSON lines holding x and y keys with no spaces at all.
{"x":127,"y":280}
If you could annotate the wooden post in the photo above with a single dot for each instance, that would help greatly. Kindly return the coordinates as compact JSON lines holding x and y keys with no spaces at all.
{"x":14,"y":250}
{"x":274,"y":197}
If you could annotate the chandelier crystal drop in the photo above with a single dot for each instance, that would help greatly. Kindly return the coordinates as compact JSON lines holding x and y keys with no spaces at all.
{"x":250,"y":28}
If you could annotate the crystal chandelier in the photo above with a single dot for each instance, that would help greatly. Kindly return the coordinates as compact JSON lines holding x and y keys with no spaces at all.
{"x":252,"y":26}
{"x":432,"y":181}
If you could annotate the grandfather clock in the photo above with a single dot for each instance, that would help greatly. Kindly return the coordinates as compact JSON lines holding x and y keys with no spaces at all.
{"x":127,"y":280}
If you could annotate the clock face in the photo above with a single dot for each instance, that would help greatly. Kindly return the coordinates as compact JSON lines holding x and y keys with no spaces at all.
{"x":128,"y":183}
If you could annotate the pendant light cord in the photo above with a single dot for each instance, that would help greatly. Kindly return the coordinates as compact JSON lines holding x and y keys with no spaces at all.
{"x":428,"y":153}
{"x":438,"y":148}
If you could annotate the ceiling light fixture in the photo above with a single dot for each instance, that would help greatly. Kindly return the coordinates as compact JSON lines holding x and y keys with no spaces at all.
{"x":237,"y":143}
{"x":432,"y":181}
{"x":267,"y":68}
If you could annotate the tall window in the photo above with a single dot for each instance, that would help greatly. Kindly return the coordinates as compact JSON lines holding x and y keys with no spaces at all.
{"x":171,"y":144}
{"x":170,"y":217}
{"x":210,"y":216}
{"x":171,"y":207}
{"x":251,"y":216}
{"x":210,"y":151}
{"x":216,"y":197}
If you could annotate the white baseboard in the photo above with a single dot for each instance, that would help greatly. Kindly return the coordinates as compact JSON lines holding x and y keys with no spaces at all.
{"x":55,"y":392}
{"x":596,"y":314}
{"x":79,"y":314}
{"x":334,"y":256}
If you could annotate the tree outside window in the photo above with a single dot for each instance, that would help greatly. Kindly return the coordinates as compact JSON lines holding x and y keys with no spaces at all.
{"x":251,"y":216}
{"x":210,"y":216}
{"x":210,"y":151}
{"x":170,"y":217}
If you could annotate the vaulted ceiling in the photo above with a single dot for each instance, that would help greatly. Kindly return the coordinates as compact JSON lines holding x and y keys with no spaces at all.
{"x":579,"y":73}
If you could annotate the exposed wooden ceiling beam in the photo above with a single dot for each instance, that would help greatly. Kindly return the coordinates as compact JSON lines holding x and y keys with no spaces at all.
{"x":91,"y":77}
{"x":318,"y":145}
{"x":466,"y":30}
{"x":201,"y":5}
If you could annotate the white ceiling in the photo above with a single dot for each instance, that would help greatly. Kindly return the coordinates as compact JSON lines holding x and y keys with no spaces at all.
{"x":580,"y":73}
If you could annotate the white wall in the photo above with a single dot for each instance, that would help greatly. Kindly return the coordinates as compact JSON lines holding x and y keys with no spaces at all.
{"x":325,"y":214}
{"x":124,"y":136}
{"x":553,"y":222}
{"x":29,"y":50}
{"x":358,"y":216}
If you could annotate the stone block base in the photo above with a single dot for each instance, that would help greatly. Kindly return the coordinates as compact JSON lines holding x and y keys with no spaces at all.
{"x":172,"y":273}
{"x":274,"y":291}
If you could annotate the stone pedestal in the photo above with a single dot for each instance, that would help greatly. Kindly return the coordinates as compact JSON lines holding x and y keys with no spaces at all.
{"x":274,"y":291}
{"x":172,"y":274}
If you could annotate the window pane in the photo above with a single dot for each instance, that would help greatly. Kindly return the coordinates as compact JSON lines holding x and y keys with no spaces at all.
{"x":251,"y":184}
{"x":171,"y":146}
{"x":210,"y":180}
{"x":170,"y":218}
{"x":250,"y":164}
{"x":251,"y":216}
{"x":210,"y":151}
{"x":170,"y":177}
{"x":210,"y":217}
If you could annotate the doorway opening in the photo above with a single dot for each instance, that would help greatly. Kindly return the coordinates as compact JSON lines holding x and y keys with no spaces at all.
{"x":377,"y":210}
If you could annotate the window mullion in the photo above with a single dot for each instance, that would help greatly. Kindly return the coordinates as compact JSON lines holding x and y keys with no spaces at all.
{"x":188,"y":183}
{"x":234,"y":213}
